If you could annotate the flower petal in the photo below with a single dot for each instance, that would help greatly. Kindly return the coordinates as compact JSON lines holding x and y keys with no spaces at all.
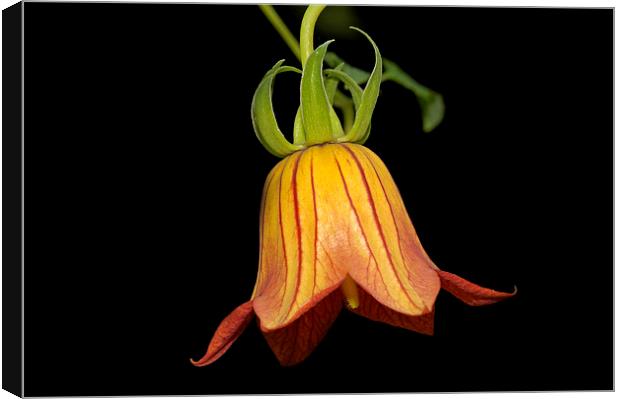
{"x":373,"y":310}
{"x":229,"y":330}
{"x":388,"y":260}
{"x":294,"y":343}
{"x":296,"y":266}
{"x":470,"y":293}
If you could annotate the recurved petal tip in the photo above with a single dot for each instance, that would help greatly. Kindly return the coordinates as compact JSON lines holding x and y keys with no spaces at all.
{"x":470,"y":293}
{"x":228,"y":331}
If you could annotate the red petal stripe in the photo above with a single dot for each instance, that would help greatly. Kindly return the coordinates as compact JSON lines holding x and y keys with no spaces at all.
{"x":316,"y":223}
{"x":229,"y":330}
{"x":294,"y":343}
{"x":470,"y":293}
{"x":371,"y":201}
{"x":282,"y":236}
{"x":361,"y":226}
{"x":373,"y":310}
{"x":300,"y":252}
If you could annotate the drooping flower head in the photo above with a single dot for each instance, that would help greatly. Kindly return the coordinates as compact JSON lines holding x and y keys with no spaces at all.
{"x":334,"y":230}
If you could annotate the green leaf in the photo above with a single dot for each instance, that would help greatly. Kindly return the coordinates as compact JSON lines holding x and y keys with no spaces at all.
{"x":264,"y":118}
{"x":359,"y":75}
{"x":367,"y":103}
{"x":431,"y":102}
{"x":320,"y":122}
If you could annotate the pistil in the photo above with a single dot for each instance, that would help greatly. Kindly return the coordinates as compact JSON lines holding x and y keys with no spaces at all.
{"x":349,"y":290}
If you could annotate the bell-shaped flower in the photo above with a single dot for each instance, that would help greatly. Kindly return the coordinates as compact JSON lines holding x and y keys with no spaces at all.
{"x":334,"y":230}
{"x":333,"y":225}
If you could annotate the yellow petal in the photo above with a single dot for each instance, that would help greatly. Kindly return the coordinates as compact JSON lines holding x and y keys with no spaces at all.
{"x":392,"y":266}
{"x":295,"y":270}
{"x":327,"y":211}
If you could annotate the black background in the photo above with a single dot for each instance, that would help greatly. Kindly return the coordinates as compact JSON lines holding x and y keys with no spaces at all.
{"x":143,"y":183}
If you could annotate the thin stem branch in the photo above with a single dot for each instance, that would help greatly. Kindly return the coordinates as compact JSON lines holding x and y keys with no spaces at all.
{"x":281,"y":28}
{"x":306,"y":35}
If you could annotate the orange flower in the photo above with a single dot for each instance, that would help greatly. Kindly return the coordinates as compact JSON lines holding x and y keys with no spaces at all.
{"x":333,"y":226}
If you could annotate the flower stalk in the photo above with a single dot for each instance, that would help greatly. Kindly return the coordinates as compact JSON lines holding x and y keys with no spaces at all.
{"x":306,"y":36}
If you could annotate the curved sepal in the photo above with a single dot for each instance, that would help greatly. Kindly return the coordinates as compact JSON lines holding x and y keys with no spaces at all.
{"x":299,"y":136}
{"x":354,"y":89}
{"x":264,"y":118}
{"x":359,"y":130}
{"x":350,"y":84}
{"x":358,"y":75}
{"x":331,"y":84}
{"x":320,"y":122}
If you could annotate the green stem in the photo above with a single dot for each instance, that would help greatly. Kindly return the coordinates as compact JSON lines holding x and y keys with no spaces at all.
{"x":306,"y":35}
{"x":281,"y":28}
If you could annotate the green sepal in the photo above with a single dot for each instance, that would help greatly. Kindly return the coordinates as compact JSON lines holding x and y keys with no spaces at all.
{"x":359,"y":130}
{"x":331,"y":85}
{"x":431,"y":102}
{"x":355,"y":90}
{"x":358,"y":75}
{"x":320,"y":121}
{"x":356,"y":94}
{"x":331,"y":88}
{"x":299,"y":136}
{"x":346,"y":106}
{"x":264,"y":118}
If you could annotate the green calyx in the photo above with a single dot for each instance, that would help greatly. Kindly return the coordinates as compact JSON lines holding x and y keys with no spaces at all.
{"x":316,"y":121}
